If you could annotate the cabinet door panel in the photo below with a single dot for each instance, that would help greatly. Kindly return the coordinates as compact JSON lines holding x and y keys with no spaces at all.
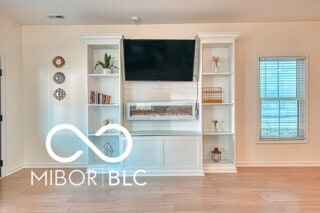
{"x":145,"y":154}
{"x":182,"y":153}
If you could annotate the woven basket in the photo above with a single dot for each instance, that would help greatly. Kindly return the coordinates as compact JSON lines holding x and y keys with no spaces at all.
{"x":211,"y":95}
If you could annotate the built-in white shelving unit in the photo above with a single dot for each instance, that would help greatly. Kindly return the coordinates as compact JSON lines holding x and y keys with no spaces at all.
{"x":107,"y":84}
{"x":223,"y":136}
{"x":171,"y":127}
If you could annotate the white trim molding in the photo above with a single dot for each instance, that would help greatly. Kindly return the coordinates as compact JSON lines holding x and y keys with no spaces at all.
{"x":43,"y":166}
{"x":3,"y":112}
{"x":13,"y":170}
{"x":154,"y":173}
{"x":55,"y":165}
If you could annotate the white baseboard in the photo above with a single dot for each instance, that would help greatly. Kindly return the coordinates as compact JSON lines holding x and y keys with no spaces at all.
{"x":278,"y":164}
{"x":151,"y":173}
{"x":42,"y":165}
{"x":55,"y":165}
{"x":13,"y":170}
{"x":220,"y":170}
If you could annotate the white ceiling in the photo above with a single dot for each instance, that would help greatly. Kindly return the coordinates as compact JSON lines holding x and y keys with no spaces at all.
{"x":98,"y":12}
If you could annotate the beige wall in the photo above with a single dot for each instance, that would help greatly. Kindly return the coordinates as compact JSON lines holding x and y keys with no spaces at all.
{"x":41,"y":112}
{"x":11,"y":49}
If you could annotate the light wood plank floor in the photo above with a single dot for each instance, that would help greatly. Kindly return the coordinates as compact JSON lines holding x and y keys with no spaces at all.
{"x":251,"y":190}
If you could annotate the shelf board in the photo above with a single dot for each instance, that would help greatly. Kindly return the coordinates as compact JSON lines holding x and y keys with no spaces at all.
{"x":113,"y":75}
{"x":106,"y":134}
{"x":103,"y":105}
{"x":217,"y":104}
{"x":101,"y":165}
{"x":222,"y":74}
{"x":164,"y":133}
{"x":218,"y":133}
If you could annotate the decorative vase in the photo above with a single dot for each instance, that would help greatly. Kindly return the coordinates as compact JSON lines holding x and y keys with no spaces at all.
{"x":215,"y":125}
{"x":108,"y":150}
{"x":106,"y":71}
{"x":215,"y":68}
{"x":216,"y":154}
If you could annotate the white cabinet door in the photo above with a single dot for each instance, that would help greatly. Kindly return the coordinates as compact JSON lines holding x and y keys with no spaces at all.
{"x":146,"y":154}
{"x":181,"y":152}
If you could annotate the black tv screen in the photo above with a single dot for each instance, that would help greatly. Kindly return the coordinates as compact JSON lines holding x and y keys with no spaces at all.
{"x":159,"y":60}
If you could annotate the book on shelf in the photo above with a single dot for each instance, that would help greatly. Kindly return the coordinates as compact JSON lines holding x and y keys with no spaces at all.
{"x":99,"y":98}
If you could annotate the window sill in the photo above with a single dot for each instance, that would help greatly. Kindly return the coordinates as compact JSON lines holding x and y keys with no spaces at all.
{"x":283,"y":141}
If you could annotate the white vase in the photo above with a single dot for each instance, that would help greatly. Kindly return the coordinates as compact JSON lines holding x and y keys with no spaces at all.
{"x":106,"y":71}
{"x":215,"y":68}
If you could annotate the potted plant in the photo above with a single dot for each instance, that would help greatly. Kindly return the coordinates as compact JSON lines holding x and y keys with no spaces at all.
{"x":107,"y":65}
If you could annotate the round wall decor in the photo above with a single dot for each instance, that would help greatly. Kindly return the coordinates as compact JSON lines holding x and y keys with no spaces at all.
{"x":59,"y":78}
{"x":59,"y":94}
{"x":58,"y":61}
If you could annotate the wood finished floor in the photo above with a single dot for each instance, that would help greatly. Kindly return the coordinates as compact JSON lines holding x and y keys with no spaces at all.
{"x":251,"y":190}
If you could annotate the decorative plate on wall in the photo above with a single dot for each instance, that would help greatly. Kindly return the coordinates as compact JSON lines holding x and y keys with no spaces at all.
{"x":59,"y":78}
{"x":58,"y":61}
{"x":59,"y":94}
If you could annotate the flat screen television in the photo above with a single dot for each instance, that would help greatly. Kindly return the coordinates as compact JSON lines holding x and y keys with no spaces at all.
{"x":159,"y":60}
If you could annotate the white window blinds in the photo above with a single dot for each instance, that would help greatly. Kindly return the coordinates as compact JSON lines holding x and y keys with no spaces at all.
{"x":283,"y":98}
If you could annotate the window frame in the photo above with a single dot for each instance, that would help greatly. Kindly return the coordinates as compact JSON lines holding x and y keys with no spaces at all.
{"x":279,"y":140}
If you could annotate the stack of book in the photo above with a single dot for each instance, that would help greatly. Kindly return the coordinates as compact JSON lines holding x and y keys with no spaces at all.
{"x":99,"y":98}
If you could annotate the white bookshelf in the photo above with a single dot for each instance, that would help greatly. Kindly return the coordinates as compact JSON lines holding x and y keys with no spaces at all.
{"x":160,"y":145}
{"x":220,"y":45}
{"x":108,"y":84}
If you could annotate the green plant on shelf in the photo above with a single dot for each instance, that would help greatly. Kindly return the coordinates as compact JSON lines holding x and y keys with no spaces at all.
{"x":108,"y":62}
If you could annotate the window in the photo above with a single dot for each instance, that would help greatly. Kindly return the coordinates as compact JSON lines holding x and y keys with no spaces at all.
{"x":283,"y":98}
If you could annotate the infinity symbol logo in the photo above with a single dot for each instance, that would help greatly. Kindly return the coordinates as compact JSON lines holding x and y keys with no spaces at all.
{"x":85,"y":140}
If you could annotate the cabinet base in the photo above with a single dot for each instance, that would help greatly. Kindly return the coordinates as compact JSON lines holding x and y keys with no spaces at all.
{"x":210,"y":168}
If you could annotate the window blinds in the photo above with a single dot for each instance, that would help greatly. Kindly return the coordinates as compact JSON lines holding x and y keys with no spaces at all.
{"x":283,"y":97}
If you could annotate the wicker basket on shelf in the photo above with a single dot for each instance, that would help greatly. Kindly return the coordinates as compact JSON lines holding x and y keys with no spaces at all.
{"x":211,"y":95}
